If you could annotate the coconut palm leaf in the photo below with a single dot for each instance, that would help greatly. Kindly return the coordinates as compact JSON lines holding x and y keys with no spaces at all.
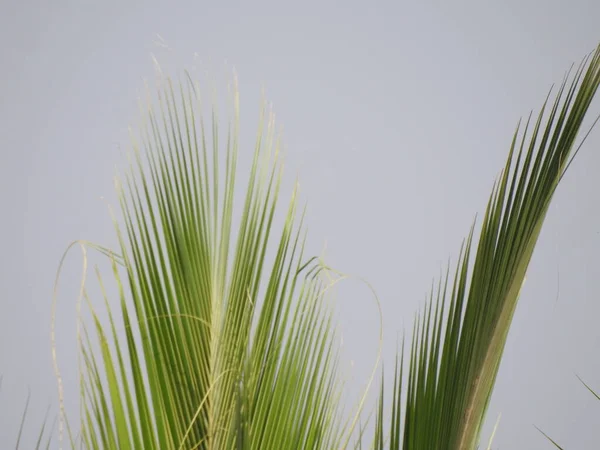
{"x":459,"y":338}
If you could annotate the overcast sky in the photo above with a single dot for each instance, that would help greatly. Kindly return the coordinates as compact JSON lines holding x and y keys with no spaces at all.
{"x":397,"y":117}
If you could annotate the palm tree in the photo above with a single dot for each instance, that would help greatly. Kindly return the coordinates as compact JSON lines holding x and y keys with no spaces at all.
{"x":218,"y":346}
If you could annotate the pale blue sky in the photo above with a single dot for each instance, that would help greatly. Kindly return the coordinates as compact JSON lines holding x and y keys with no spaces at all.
{"x":397,"y":118}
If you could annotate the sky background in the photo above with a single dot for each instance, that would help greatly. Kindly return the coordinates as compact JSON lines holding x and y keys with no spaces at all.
{"x":397,"y":117}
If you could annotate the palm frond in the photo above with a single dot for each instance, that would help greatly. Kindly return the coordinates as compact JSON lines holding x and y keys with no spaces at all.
{"x":459,"y":338}
{"x":222,"y":348}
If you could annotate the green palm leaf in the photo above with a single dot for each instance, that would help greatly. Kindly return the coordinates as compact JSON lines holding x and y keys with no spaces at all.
{"x":459,"y":339}
{"x":222,"y":348}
